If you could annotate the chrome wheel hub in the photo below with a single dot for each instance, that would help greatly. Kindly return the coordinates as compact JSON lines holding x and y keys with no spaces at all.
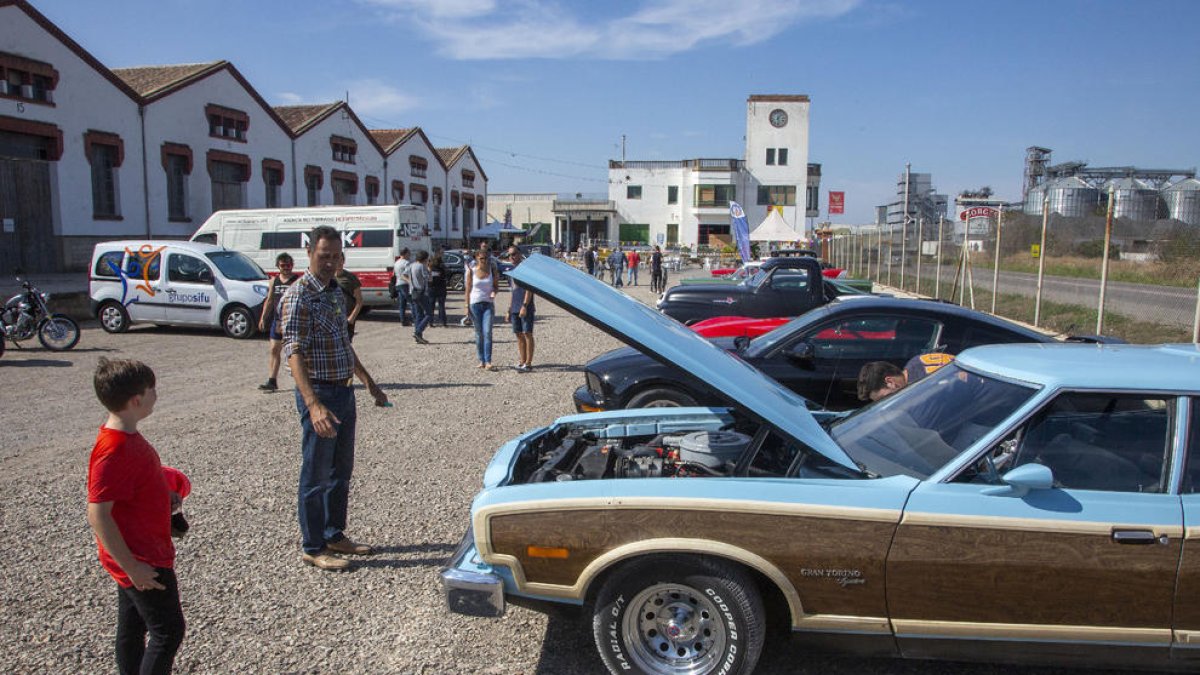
{"x":674,"y":629}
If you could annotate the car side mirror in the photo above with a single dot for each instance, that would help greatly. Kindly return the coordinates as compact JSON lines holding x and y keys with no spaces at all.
{"x":206,"y":276}
{"x":802,"y":351}
{"x":1021,"y":480}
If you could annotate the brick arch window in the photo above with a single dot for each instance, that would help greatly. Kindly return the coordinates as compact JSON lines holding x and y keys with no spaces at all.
{"x":372,"y":186}
{"x":105,"y":152}
{"x":227,"y":123}
{"x":468,"y":178}
{"x":229,"y":172}
{"x":418,"y":194}
{"x":27,"y":80}
{"x":314,"y":180}
{"x":480,"y":203}
{"x":455,"y":222}
{"x":417,"y":166}
{"x":397,"y":192}
{"x":36,"y":140}
{"x":272,"y":172}
{"x":345,"y":187}
{"x":177,"y":164}
{"x":438,"y":198}
{"x":344,"y":149}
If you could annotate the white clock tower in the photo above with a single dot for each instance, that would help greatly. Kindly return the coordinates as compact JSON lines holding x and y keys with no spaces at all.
{"x":776,"y":157}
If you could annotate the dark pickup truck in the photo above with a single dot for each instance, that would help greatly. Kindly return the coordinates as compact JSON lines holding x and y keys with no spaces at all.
{"x":781,"y":287}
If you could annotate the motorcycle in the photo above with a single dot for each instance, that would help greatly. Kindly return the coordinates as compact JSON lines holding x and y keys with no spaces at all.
{"x":26,"y":314}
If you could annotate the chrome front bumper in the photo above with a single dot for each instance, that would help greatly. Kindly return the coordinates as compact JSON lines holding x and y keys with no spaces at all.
{"x":469,"y":587}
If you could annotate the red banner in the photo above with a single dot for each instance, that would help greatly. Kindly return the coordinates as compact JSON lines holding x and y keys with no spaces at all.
{"x":837,"y":202}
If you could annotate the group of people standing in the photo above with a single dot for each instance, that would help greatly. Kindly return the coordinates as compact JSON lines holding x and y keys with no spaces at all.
{"x":623,"y":267}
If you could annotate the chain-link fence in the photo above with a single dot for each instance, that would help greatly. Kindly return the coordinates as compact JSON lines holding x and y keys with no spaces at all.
{"x":1149,"y":286}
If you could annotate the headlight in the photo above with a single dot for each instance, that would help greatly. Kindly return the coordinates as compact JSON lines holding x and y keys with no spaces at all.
{"x":260,"y":289}
{"x":593,"y":384}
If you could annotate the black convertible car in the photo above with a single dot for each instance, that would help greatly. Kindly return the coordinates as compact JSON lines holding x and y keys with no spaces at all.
{"x":817,"y":355}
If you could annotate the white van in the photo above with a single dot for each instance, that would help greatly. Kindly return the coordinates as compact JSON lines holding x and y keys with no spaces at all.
{"x":372,"y":238}
{"x":178,"y":283}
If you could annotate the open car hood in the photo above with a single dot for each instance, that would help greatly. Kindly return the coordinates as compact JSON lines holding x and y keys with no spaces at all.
{"x":665,"y":339}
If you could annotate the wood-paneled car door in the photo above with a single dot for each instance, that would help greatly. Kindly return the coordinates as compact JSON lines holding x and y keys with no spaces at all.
{"x":1089,"y":562}
{"x":1187,"y":602}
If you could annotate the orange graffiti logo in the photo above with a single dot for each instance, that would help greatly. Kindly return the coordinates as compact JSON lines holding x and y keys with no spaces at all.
{"x":145,"y":255}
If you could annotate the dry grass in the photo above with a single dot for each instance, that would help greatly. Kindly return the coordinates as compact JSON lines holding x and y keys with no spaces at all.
{"x":1184,"y":273}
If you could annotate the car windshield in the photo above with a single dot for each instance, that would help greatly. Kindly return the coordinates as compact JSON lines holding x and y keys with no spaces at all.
{"x":918,"y":430}
{"x":236,"y":267}
{"x":760,"y":275}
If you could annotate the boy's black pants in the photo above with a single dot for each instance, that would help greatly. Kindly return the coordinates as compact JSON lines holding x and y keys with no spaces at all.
{"x":154,"y":612}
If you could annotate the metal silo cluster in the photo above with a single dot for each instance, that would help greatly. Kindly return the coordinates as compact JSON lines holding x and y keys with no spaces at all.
{"x":1182,"y":201}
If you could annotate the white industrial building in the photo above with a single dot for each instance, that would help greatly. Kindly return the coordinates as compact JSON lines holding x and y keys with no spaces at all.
{"x":89,"y":153}
{"x":687,"y":201}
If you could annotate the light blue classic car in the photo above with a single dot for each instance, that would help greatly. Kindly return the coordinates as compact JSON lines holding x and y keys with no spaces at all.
{"x":1026,"y":503}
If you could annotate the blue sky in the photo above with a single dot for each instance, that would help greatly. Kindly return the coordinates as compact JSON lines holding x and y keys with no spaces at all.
{"x":544,"y":89}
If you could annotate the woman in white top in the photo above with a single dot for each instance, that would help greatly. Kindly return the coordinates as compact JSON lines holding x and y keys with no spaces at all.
{"x":481,"y":299}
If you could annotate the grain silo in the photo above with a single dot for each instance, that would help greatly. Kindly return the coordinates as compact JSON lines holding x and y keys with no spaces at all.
{"x":1132,"y":199}
{"x":1070,"y":196}
{"x":1033,"y":200}
{"x":1183,"y":201}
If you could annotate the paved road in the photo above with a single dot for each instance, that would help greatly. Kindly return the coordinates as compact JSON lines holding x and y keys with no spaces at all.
{"x":1166,"y":305}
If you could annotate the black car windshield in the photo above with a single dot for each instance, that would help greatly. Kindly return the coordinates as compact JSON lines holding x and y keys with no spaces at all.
{"x":918,"y":430}
{"x":236,"y":267}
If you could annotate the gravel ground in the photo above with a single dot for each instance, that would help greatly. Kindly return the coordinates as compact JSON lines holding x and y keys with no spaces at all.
{"x":251,"y":605}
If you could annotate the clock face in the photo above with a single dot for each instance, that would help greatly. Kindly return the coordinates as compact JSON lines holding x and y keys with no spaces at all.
{"x":778,"y":118}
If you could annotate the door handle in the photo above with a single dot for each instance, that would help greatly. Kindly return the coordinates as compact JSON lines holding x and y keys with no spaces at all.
{"x":1138,"y":537}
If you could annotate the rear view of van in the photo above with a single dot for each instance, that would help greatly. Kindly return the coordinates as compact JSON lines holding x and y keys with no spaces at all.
{"x":175,"y":283}
{"x":372,"y":238}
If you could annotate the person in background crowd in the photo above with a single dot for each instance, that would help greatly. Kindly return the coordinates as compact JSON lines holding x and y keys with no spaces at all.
{"x":597,"y":268}
{"x":589,"y":261}
{"x":633,"y":258}
{"x":481,"y":300}
{"x":129,"y":511}
{"x":352,"y":289}
{"x":616,"y":266}
{"x":522,"y":313}
{"x":656,"y":271}
{"x":270,"y":315}
{"x":400,"y":269}
{"x":438,"y":285}
{"x":323,"y":362}
{"x":422,"y":298}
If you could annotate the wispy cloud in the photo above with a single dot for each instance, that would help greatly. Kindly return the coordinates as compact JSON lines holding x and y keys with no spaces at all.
{"x":379,"y":99}
{"x":491,"y":29}
{"x":289,"y":98}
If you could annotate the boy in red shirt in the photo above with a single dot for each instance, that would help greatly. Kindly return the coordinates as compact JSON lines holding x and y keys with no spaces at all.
{"x":129,"y":509}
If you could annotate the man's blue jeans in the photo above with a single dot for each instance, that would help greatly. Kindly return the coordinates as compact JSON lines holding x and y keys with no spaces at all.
{"x":482,"y":314}
{"x":633,"y":276}
{"x":326,"y":468}
{"x":422,"y":313}
{"x":403,"y":299}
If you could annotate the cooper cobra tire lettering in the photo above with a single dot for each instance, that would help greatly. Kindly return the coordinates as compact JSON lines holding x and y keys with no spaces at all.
{"x":727,"y":590}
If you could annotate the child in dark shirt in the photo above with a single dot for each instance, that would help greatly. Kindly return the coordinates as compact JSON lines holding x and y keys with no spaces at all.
{"x":129,"y":510}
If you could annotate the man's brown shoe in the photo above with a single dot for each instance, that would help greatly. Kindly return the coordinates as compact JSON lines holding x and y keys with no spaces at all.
{"x":325,"y":561}
{"x":347,"y":547}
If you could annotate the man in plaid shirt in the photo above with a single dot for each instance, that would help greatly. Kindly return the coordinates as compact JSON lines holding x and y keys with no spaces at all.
{"x":316,"y":344}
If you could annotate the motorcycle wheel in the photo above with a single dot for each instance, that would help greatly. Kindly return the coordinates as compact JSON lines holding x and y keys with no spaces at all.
{"x":58,"y":333}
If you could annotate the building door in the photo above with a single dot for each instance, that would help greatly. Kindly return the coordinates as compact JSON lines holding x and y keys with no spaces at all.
{"x":26,"y":217}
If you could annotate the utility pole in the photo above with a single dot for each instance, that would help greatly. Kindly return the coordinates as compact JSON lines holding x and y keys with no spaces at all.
{"x":904,"y":225}
{"x":1104,"y":265}
{"x":622,"y":151}
{"x":1037,"y":302}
